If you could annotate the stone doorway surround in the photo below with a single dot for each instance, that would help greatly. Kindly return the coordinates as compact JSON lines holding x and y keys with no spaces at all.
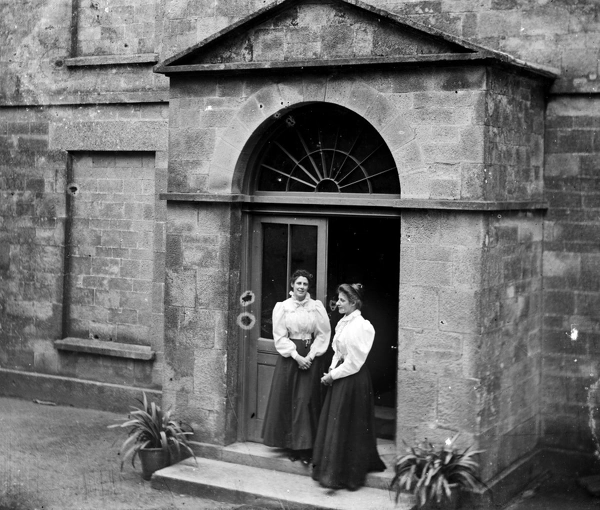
{"x":465,"y":126}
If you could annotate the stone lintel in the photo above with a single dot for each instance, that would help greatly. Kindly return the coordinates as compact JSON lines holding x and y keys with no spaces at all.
{"x":110,"y":60}
{"x":408,"y":203}
{"x":103,"y":348}
{"x":109,"y":135}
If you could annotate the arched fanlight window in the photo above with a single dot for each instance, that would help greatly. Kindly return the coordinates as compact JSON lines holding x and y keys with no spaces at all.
{"x":324,"y":148}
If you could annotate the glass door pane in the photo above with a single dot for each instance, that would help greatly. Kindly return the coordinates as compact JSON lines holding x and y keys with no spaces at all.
{"x":285,"y":249}
{"x":274,"y":272}
{"x":304,"y":251}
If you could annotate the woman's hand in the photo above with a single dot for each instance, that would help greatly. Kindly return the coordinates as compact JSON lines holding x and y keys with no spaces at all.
{"x":327,"y":380}
{"x":303,"y":363}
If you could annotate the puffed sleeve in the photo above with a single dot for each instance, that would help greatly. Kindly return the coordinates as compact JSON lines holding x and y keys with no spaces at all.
{"x":283,"y":344}
{"x":358,"y":341}
{"x":322,"y":332}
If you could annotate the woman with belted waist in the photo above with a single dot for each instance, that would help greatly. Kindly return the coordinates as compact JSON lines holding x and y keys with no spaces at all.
{"x":301,"y":331}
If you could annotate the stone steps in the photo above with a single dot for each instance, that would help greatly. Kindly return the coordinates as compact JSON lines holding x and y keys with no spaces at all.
{"x":265,"y":488}
{"x":253,"y":474}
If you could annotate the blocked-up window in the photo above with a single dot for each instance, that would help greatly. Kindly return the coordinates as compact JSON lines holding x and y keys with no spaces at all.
{"x":112,"y":230}
{"x":107,"y":27}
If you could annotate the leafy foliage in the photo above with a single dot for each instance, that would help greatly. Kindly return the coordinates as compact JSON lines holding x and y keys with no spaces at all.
{"x":431,"y":473}
{"x":151,"y":427}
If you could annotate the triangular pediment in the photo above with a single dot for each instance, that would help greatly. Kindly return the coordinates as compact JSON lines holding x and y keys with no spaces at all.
{"x":317,"y":33}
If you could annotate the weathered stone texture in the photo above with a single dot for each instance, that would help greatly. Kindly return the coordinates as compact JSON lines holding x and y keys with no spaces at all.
{"x":571,"y":271}
{"x":514,"y":137}
{"x":470,"y":290}
{"x":437,"y":137}
{"x":32,"y":214}
{"x":439,"y":316}
{"x":554,"y":34}
{"x":510,"y":370}
{"x":113,"y":226}
{"x":470,"y":330}
{"x":201,"y":288}
{"x":106,"y":28}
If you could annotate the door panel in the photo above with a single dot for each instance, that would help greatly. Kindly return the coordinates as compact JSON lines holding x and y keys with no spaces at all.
{"x":279,"y":247}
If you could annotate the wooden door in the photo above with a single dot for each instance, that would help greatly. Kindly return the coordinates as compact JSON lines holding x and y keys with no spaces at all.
{"x":279,"y":246}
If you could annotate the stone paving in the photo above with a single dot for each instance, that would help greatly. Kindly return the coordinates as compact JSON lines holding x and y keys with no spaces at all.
{"x":65,"y":458}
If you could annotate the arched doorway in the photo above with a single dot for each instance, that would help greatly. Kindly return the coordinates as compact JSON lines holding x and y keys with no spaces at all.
{"x":340,"y":173}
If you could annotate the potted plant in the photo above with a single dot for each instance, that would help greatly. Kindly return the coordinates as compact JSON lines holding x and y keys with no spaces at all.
{"x":436,"y":476}
{"x":155,"y":437}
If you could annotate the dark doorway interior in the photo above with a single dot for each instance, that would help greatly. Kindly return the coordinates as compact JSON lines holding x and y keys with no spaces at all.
{"x":367,"y":251}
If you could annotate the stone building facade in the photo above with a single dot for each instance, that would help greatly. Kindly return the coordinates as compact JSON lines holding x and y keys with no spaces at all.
{"x":135,"y":218}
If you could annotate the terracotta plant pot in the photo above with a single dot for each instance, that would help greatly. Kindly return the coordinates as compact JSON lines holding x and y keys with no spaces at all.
{"x":153,"y":459}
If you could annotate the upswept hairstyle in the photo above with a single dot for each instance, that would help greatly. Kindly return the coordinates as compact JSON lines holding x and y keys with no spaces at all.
{"x":354,"y":292}
{"x":301,"y":272}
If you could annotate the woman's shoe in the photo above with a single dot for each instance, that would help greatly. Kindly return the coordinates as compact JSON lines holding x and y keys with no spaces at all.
{"x":306,"y":457}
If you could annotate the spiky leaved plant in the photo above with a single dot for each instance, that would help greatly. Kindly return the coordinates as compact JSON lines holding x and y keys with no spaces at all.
{"x":151,"y":427}
{"x":432,"y":474}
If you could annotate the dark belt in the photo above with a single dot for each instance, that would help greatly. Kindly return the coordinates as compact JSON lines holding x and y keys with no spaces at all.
{"x":308,"y":342}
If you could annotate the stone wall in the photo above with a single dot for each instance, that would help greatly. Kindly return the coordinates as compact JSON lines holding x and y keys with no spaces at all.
{"x":110,"y":244}
{"x":109,"y":27}
{"x":571,"y":270}
{"x":32,"y":222}
{"x":439,"y":390}
{"x":515,"y":136}
{"x":510,"y":351}
{"x":561,"y":34}
{"x":201,"y":345}
{"x":112,"y":289}
{"x":35,"y":132}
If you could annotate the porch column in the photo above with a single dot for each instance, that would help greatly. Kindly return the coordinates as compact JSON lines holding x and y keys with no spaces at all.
{"x":469,"y":338}
{"x":202,"y":282}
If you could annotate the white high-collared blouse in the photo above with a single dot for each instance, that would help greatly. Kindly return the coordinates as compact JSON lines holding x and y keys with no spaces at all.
{"x":352,"y":343}
{"x":301,"y":320}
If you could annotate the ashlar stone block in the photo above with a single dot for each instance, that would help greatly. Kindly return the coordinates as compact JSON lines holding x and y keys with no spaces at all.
{"x":381,"y":112}
{"x":209,"y":379}
{"x":269,"y":100}
{"x":361,"y":97}
{"x":417,"y":402}
{"x":291,"y":92}
{"x":180,"y":288}
{"x":236,"y":134}
{"x":398,"y":133}
{"x":418,"y":307}
{"x":458,"y":401}
{"x":314,"y":88}
{"x":459,"y":311}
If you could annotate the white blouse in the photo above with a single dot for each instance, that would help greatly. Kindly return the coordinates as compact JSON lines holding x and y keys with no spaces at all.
{"x":352,"y":343}
{"x":300,"y":320}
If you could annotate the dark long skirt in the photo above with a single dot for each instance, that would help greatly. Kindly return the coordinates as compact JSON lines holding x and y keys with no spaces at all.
{"x":295,"y":403}
{"x":346,"y":448}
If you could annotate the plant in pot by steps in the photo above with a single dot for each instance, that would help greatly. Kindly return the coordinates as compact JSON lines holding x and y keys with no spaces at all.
{"x":155,"y":437}
{"x":437,"y":475}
